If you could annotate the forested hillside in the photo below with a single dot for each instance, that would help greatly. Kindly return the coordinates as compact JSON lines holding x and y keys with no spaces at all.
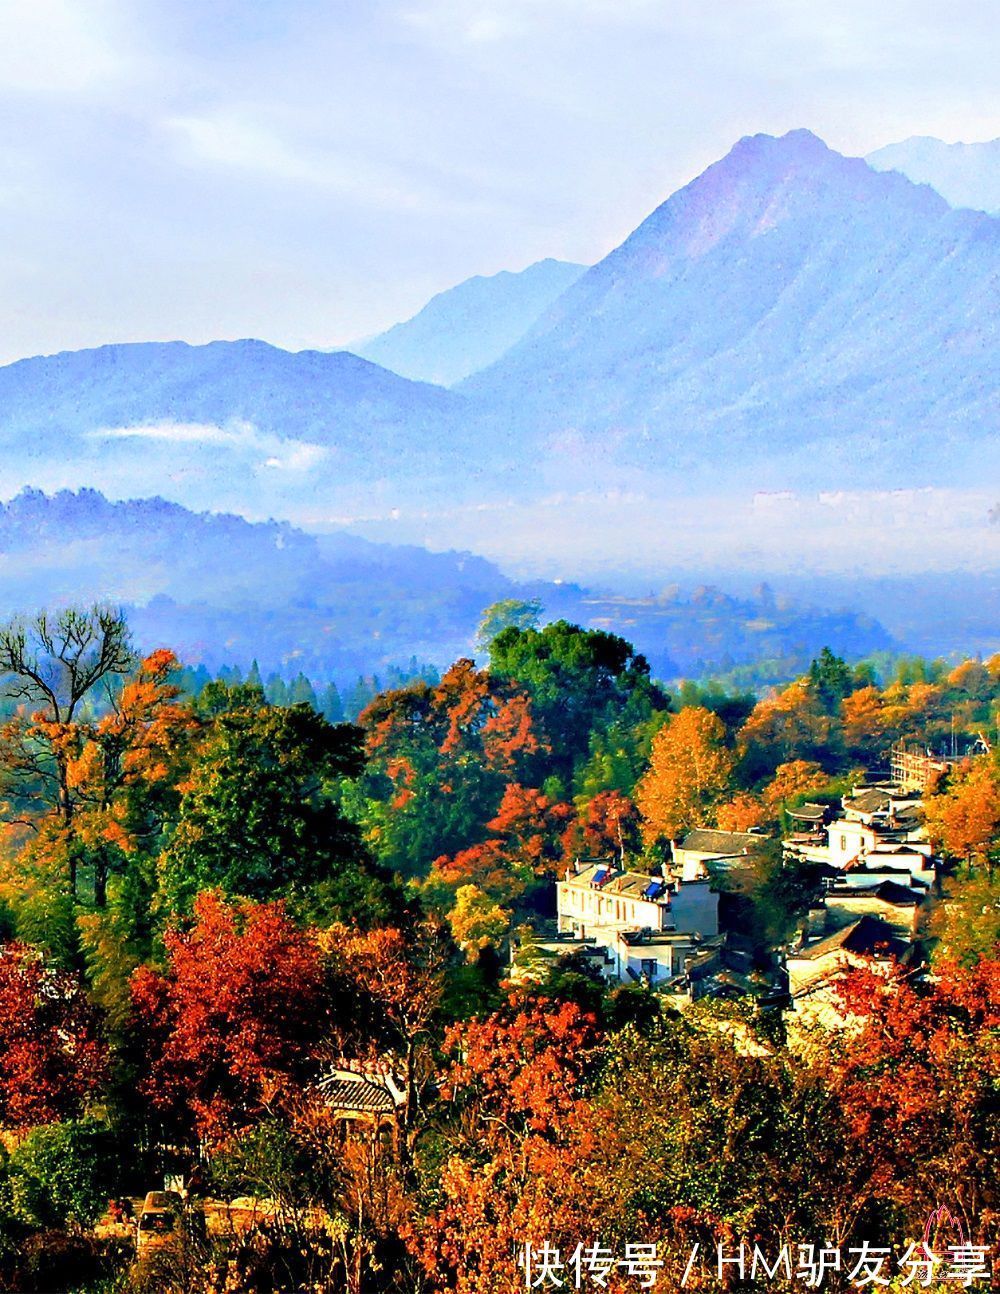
{"x":212,"y":907}
{"x":226,"y":592}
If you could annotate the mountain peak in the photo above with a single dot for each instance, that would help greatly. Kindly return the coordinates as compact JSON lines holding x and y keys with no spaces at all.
{"x":769,"y":180}
{"x":798,"y":143}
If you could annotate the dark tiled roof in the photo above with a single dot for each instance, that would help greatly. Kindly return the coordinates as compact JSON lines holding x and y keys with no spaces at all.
{"x":887,"y":891}
{"x":868,"y":802}
{"x":705,"y":841}
{"x":809,"y":812}
{"x":892,"y":892}
{"x":357,"y":1094}
{"x":866,"y":936}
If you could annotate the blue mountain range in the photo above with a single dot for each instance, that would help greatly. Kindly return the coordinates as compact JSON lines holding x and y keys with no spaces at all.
{"x":469,"y":326}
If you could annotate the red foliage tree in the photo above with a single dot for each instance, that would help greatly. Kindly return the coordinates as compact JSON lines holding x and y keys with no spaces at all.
{"x":608,"y":825}
{"x":236,"y":1016}
{"x":51,"y":1055}
{"x":917,"y":1073}
{"x":525,"y":1063}
{"x":527,"y":844}
{"x":521,"y":1077}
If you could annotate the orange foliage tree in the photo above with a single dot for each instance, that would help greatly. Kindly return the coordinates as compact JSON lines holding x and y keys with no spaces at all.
{"x":742,"y":812}
{"x":964,"y":817}
{"x":609,"y":824}
{"x":520,"y":1142}
{"x":439,"y":757}
{"x":388,"y":988}
{"x":53,"y":664}
{"x":789,"y":725}
{"x":689,"y":773}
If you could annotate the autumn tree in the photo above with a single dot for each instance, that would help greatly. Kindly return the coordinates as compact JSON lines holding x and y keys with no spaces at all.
{"x":743,"y":812}
{"x":689,"y":774}
{"x":52,"y":665}
{"x":792,"y":783}
{"x":788,"y":725}
{"x":232,"y":1023}
{"x":130,"y":763}
{"x":963,"y":818}
{"x":917,"y":1075}
{"x":580,"y":681}
{"x":518,"y":1133}
{"x":871,"y":723}
{"x":52,"y":1059}
{"x":477,"y":921}
{"x":525,"y":845}
{"x":439,"y":758}
{"x":389,"y":985}
{"x":608,"y":824}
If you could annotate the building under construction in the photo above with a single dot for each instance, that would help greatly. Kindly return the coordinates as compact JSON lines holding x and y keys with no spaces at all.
{"x":913,"y":768}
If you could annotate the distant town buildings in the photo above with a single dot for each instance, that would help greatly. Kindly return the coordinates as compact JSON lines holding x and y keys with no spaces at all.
{"x":878,"y":878}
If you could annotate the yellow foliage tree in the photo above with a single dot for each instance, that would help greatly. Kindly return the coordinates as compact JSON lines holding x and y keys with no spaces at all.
{"x":476,"y":921}
{"x":789,"y":725}
{"x":742,"y":812}
{"x":797,"y":777}
{"x":689,"y":774}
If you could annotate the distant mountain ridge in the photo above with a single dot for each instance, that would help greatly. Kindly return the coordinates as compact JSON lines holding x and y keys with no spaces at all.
{"x":467,"y":327}
{"x":966,"y":175}
{"x":790,"y":321}
{"x":238,"y":424}
{"x":220,"y":591}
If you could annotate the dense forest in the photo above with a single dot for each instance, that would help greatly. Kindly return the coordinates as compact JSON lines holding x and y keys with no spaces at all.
{"x":215,"y":894}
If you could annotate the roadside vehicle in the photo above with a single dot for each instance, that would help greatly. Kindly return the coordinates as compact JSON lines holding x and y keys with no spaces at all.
{"x":159,"y":1221}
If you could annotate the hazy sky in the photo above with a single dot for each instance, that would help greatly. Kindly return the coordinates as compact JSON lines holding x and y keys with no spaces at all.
{"x":310,"y":172}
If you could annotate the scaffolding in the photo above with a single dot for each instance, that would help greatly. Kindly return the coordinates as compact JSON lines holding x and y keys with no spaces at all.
{"x":912,"y":769}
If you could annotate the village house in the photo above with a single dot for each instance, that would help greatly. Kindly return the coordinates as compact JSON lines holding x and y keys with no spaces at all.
{"x":900,"y":906}
{"x":704,"y":845}
{"x":637,"y":927}
{"x":816,"y":968}
{"x":597,"y":894}
{"x":362,"y":1102}
{"x":877,"y":830}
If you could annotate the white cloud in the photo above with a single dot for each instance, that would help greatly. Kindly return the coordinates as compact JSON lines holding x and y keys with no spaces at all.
{"x":233,"y":142}
{"x":296,"y":154}
{"x":59,"y":46}
{"x":266,"y":450}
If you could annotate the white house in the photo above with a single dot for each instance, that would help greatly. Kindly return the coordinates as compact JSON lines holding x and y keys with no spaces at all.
{"x":816,"y":969}
{"x":600,"y":895}
{"x":648,"y":928}
{"x":705,"y":845}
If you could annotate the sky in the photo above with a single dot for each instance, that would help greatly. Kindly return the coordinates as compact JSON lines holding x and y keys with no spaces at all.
{"x":310,"y":172}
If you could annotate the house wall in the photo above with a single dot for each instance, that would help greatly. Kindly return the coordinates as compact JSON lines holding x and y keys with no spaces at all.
{"x":847,"y":840}
{"x":695,"y":909}
{"x":582,"y":906}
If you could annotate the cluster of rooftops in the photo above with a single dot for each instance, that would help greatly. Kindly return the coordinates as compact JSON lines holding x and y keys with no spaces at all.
{"x":665,"y":928}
